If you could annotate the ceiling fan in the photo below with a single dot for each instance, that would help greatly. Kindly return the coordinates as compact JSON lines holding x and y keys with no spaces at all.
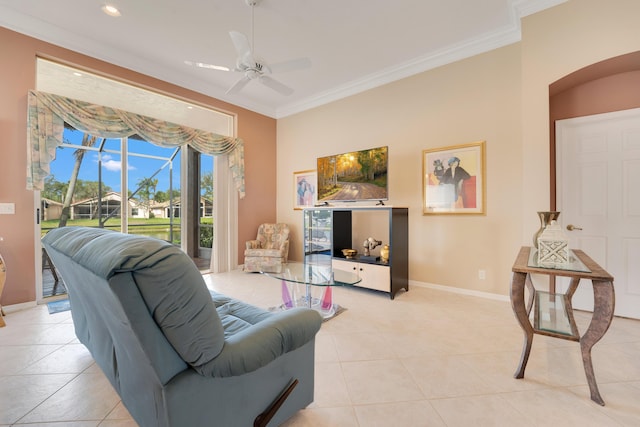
{"x":252,"y":67}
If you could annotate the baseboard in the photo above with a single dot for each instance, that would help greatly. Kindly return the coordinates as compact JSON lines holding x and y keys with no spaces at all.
{"x":18,"y":307}
{"x":452,"y":289}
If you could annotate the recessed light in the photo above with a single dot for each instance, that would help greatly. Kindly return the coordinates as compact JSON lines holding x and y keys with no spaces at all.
{"x":77,"y":74}
{"x":110,"y":10}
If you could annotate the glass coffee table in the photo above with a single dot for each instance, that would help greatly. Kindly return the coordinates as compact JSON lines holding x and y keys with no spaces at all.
{"x":310,"y":285}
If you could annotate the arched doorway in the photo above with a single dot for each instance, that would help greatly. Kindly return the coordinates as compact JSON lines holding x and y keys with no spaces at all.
{"x":593,"y":144}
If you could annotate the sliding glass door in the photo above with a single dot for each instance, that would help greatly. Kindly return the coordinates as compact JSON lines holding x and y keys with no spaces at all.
{"x":128,"y":185}
{"x":132,"y":185}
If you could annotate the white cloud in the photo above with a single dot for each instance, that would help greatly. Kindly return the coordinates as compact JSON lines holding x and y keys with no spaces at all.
{"x":114,"y":165}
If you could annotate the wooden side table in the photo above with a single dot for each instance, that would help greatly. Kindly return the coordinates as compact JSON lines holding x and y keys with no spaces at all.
{"x":553,"y":315}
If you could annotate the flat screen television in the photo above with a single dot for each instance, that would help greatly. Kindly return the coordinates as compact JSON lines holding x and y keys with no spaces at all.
{"x":355,"y":176}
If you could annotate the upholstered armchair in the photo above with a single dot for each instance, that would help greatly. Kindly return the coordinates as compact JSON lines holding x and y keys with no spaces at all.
{"x":269,"y":251}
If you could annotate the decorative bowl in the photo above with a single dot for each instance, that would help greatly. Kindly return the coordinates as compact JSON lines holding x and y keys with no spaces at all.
{"x":349,"y":253}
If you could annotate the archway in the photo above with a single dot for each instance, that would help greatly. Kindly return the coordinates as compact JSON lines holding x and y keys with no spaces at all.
{"x":603,"y":87}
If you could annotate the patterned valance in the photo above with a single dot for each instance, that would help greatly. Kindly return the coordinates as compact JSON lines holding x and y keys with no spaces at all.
{"x":48,"y":113}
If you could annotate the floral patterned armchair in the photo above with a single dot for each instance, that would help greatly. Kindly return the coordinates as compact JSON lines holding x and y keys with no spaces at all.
{"x":269,"y":251}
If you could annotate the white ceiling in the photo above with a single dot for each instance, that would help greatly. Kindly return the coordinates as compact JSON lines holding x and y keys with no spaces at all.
{"x":354,"y":45}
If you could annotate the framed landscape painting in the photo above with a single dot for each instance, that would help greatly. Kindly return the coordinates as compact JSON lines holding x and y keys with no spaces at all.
{"x":453,"y":179}
{"x":305,"y":190}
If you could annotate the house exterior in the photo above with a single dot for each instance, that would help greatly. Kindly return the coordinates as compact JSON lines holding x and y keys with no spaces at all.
{"x":50,"y":209}
{"x":109,"y":205}
{"x":163,"y":210}
{"x":88,"y":208}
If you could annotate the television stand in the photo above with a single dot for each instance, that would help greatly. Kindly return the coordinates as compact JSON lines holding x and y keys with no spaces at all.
{"x":328,"y":231}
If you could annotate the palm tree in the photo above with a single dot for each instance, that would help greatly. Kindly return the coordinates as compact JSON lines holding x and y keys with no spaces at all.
{"x":87,"y":141}
{"x":146,"y":190}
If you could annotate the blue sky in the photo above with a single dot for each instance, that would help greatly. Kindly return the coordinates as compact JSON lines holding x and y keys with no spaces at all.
{"x":138,"y":167}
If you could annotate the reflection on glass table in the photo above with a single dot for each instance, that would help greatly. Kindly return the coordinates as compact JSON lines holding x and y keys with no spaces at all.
{"x":310,"y":285}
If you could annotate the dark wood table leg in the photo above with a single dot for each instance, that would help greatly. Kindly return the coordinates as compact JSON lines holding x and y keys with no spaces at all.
{"x":517,"y":303}
{"x":603,"y":307}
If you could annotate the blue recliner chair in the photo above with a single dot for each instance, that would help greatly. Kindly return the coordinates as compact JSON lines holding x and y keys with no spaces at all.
{"x":177,"y":354}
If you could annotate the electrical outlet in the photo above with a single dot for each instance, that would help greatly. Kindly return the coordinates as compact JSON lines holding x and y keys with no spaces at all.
{"x":482,"y":274}
{"x":7,"y":208}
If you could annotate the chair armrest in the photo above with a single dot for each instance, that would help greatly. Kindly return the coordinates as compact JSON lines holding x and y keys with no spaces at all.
{"x":262,"y":343}
{"x":252,"y":244}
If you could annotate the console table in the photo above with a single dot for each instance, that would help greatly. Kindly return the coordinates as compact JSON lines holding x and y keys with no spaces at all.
{"x":553,"y":313}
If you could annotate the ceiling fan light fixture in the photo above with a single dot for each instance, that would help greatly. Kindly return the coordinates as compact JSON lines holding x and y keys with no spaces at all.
{"x":252,"y":67}
{"x":111,"y":10}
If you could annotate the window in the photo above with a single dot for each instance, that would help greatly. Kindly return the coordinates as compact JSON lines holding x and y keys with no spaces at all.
{"x":108,"y":209}
{"x":88,"y":186}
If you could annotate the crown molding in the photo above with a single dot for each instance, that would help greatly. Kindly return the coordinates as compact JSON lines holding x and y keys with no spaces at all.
{"x":524,"y":8}
{"x":509,"y":34}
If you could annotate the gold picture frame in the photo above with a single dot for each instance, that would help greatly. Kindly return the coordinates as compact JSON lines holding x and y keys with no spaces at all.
{"x":305,"y":189}
{"x":454,"y":180}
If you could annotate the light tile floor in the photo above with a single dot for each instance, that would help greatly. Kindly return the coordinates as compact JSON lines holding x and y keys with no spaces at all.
{"x":428,"y":358}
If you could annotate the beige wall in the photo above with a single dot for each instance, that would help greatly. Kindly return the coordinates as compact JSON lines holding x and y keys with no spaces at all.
{"x":472,"y":100}
{"x":501,"y":97}
{"x":17,"y":77}
{"x":555,"y":43}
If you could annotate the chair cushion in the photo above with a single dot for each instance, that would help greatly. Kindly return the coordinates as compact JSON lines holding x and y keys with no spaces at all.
{"x":273,"y":236}
{"x":257,"y":337}
{"x":237,"y":316}
{"x":277,"y":253}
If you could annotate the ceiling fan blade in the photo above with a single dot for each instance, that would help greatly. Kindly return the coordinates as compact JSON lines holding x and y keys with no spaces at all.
{"x":237,"y":86}
{"x":208,"y":66}
{"x":243,"y":48}
{"x":291,"y":65}
{"x":276,"y":85}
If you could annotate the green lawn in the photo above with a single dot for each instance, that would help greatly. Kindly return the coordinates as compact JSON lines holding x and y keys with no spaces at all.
{"x":115,"y":223}
{"x":155,"y":227}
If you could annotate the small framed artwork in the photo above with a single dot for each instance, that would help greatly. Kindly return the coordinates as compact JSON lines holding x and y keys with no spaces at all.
{"x":453,"y":179}
{"x":305,"y":190}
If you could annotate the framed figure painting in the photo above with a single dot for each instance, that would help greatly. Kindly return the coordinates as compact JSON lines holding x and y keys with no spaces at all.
{"x":453,"y":179}
{"x":305,"y":191}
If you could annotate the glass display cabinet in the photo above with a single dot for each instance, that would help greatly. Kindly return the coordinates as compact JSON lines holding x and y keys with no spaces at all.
{"x":318,"y":224}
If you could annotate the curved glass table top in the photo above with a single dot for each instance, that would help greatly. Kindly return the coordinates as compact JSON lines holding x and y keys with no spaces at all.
{"x":315,"y":274}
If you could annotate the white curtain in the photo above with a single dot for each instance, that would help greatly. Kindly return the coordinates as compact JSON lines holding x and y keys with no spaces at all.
{"x":225,"y":227}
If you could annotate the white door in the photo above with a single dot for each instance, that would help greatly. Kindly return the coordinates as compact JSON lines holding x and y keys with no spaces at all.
{"x":598,"y":190}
